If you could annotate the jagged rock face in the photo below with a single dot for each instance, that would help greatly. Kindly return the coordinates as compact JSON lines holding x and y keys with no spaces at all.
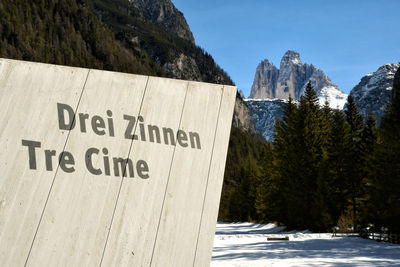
{"x":265,"y":80}
{"x":265,"y":113}
{"x":163,"y":13}
{"x":242,"y":117}
{"x":374,"y":91}
{"x":183,"y":67}
{"x":291,"y":79}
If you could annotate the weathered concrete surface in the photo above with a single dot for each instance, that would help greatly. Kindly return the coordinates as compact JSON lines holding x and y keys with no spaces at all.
{"x":187,"y":179}
{"x":212,"y":195}
{"x":81,"y":211}
{"x":81,"y":204}
{"x":27,"y":106}
{"x":139,"y":206}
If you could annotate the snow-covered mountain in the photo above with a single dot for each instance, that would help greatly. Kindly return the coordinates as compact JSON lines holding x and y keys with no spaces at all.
{"x":265,"y":112}
{"x":374,"y":90}
{"x":291,"y":79}
{"x":272,"y":87}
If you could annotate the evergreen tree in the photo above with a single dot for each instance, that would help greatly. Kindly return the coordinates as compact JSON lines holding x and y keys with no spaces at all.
{"x":313,"y":140}
{"x":385,"y":176}
{"x":326,"y":129}
{"x":338,"y":166}
{"x":355,"y":157}
{"x":299,"y":148}
{"x":268,"y":202}
{"x":369,"y":134}
{"x":326,"y":109}
{"x":287,"y":163}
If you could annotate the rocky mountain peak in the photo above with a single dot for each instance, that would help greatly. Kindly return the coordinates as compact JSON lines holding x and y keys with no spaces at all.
{"x":163,"y":13}
{"x":264,"y":64}
{"x":374,"y":90}
{"x":290,"y":57}
{"x":291,"y":79}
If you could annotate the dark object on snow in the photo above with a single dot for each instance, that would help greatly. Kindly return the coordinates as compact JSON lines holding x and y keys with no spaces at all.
{"x":286,"y":238}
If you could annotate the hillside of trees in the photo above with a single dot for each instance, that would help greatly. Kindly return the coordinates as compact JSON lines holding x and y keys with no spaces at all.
{"x":327,"y":168}
{"x":244,"y":157}
{"x":70,"y":32}
{"x":67,"y":33}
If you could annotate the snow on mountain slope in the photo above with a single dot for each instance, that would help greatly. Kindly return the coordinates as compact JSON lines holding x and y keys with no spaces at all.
{"x":374,"y":90}
{"x":272,"y":87}
{"x":264,"y":113}
{"x":336,"y":98}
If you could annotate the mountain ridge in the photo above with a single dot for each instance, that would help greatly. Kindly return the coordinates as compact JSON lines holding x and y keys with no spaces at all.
{"x":265,"y":112}
{"x":272,"y":86}
{"x":374,"y":91}
{"x":291,"y":79}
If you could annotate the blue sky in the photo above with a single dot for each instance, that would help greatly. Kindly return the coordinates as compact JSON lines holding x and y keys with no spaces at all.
{"x":346,"y":39}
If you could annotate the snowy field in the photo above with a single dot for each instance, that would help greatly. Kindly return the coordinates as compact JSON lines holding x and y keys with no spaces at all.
{"x":245,"y":244}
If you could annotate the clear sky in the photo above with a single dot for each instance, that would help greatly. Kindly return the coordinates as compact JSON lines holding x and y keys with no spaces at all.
{"x":347,"y":39}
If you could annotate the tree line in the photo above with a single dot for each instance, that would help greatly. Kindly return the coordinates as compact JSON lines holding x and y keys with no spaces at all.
{"x":325,"y":168}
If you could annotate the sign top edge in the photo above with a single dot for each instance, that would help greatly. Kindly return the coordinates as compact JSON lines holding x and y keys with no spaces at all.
{"x":127,"y":73}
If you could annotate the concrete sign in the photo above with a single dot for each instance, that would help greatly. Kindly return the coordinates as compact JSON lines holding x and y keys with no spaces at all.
{"x":109,"y":169}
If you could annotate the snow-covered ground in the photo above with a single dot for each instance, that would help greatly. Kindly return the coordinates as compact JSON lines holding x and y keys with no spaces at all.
{"x":245,"y":244}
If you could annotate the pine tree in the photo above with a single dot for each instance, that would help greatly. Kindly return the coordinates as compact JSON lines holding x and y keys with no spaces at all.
{"x":300,"y":150}
{"x":355,"y":157}
{"x":369,"y":134}
{"x":268,"y":202}
{"x":287,"y":164}
{"x":369,"y":137}
{"x":385,"y":177}
{"x":338,"y":166}
{"x":314,"y":138}
{"x":326,"y":129}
